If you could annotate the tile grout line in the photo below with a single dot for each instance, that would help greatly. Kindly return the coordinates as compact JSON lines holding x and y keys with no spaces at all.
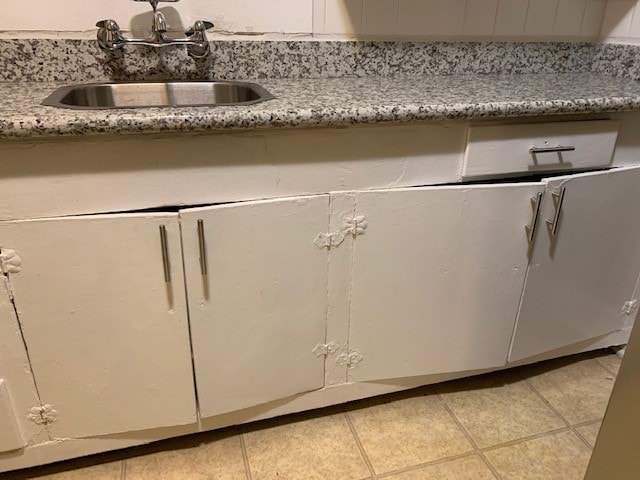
{"x":245,"y":457}
{"x":360,"y":446}
{"x":419,"y":466}
{"x":469,"y":438}
{"x":123,"y":470}
{"x":553,"y":409}
{"x":615,"y":375}
{"x":525,"y":439}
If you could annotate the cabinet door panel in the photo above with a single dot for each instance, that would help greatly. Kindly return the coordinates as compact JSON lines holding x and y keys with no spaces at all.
{"x":437,"y":278}
{"x":108,"y":339}
{"x":10,"y":437}
{"x":260,"y":311}
{"x":579,"y":280}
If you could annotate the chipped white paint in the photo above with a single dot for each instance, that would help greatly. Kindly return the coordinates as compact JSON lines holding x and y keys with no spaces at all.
{"x":10,"y":262}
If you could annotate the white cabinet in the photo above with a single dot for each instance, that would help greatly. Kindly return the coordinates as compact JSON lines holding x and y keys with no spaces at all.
{"x":257,"y":292}
{"x":581,"y":278}
{"x":10,"y":436}
{"x":107,"y":337}
{"x":437,"y":278}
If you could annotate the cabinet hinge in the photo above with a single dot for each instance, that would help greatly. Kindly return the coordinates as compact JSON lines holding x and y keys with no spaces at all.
{"x":630,"y":307}
{"x":325,"y":349}
{"x":349,"y":359}
{"x":10,"y":262}
{"x":355,"y":225}
{"x":43,"y":415}
{"x":329,"y":240}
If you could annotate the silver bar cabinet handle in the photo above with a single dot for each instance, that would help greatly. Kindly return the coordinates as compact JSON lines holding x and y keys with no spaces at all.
{"x":559,"y":197}
{"x":556,"y":149}
{"x":537,"y":203}
{"x":165,"y":254}
{"x":203,"y":248}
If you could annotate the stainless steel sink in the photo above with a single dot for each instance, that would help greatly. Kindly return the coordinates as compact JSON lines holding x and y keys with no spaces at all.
{"x":99,"y":96}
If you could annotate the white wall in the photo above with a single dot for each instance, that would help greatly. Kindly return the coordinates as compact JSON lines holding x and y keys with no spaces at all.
{"x":467,"y":18}
{"x":622,"y":21}
{"x":289,"y":16}
{"x":499,"y":19}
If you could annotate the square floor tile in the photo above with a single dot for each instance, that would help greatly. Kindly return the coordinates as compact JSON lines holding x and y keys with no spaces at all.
{"x":407,"y":432}
{"x":106,"y":471}
{"x":590,"y":432}
{"x":611,"y":362}
{"x":322,"y":448}
{"x":467,"y":468}
{"x":498,"y":408}
{"x":561,"y":456}
{"x":578,"y":389}
{"x":217,"y":457}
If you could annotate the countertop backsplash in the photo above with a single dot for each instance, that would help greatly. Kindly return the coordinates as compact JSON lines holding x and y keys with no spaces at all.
{"x":65,"y":60}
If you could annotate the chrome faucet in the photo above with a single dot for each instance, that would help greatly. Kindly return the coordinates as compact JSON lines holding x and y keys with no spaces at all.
{"x":111,"y":40}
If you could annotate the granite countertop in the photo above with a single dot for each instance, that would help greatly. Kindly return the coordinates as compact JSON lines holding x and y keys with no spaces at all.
{"x":332,"y":102}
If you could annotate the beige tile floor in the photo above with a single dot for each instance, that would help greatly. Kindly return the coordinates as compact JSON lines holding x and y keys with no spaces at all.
{"x":534,"y":422}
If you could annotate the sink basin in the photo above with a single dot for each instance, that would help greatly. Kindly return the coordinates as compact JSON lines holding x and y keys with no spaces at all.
{"x":98,"y":96}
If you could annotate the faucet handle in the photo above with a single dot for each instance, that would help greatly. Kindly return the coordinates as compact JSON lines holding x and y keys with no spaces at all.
{"x":154,"y":3}
{"x":109,"y":25}
{"x":200,"y":26}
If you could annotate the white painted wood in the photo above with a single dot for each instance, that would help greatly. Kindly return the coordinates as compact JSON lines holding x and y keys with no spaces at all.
{"x":261,"y":310}
{"x":569,"y":17}
{"x":10,"y":437}
{"x":511,"y":17}
{"x":108,"y":341}
{"x":16,"y":371}
{"x":504,"y":149}
{"x":578,"y":283}
{"x":541,"y":16}
{"x":144,"y":171}
{"x":480,"y":17}
{"x":437,"y":278}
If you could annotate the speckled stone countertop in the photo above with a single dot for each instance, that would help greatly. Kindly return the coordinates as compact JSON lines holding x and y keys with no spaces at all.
{"x":332,"y":102}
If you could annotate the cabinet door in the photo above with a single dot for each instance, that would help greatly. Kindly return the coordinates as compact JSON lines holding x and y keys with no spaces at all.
{"x":18,"y":394}
{"x":107,"y":336}
{"x":580,"y":279}
{"x":437,"y":278}
{"x":259,"y":312}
